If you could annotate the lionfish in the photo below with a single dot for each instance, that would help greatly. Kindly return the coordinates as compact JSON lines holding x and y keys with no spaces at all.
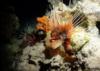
{"x":61,"y":20}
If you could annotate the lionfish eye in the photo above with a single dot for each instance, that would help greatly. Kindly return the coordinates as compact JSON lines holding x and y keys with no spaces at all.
{"x":40,"y":34}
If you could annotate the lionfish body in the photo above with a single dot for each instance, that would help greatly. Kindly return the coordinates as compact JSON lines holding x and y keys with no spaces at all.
{"x":55,"y":24}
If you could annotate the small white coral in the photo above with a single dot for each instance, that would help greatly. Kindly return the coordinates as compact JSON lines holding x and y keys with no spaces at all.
{"x":56,"y":60}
